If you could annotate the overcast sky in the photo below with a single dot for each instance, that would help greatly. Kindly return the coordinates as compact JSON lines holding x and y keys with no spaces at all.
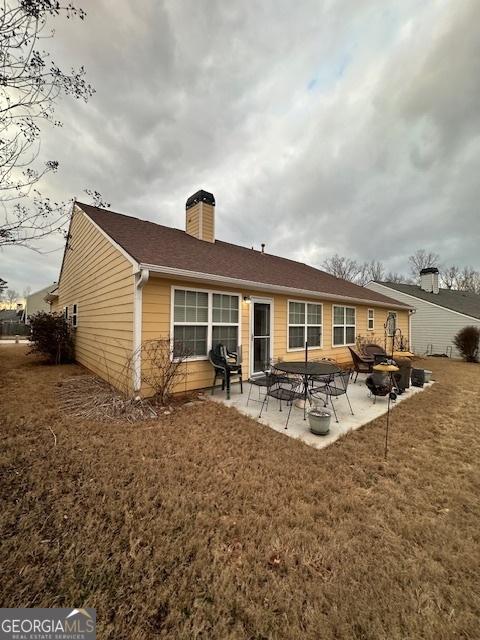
{"x":349,"y":126}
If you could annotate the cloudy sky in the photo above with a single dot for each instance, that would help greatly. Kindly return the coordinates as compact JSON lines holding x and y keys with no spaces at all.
{"x":321,"y":126}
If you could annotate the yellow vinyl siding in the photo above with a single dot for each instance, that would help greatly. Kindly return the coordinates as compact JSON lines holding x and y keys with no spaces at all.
{"x":99,"y":279}
{"x":156,"y":322}
{"x":193,"y":221}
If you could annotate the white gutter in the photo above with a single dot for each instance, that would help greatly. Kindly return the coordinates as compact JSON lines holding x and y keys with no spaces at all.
{"x":141,"y":277}
{"x":249,"y":284}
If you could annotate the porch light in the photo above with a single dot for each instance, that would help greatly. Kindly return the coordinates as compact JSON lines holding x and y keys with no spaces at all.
{"x":247,"y":299}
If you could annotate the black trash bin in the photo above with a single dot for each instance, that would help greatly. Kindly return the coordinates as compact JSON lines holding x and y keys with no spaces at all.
{"x":418,"y":377}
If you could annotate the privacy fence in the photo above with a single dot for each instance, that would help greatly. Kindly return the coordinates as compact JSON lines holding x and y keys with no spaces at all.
{"x":12,"y":328}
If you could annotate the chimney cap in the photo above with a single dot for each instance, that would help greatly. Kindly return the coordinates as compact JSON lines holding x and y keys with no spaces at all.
{"x":428,"y":270}
{"x":200,"y":196}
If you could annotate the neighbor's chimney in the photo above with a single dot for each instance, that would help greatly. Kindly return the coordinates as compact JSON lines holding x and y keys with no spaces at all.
{"x":429,"y":279}
{"x":200,"y":216}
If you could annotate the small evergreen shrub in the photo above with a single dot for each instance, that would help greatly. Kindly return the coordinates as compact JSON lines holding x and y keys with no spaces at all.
{"x":467,"y":342}
{"x":52,"y":336}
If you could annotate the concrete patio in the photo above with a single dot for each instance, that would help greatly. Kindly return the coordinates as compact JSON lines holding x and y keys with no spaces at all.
{"x":365,"y":410}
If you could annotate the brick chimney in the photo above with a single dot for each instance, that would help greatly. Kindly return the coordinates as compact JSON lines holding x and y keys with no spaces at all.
{"x":429,"y":279}
{"x":200,"y":216}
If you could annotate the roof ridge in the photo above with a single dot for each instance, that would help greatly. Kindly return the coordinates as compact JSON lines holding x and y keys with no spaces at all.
{"x":224,"y":242}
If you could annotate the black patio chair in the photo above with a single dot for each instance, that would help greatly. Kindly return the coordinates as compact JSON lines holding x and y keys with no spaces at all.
{"x":261,"y":382}
{"x":283,"y":388}
{"x":334,"y":387}
{"x":226,"y":365}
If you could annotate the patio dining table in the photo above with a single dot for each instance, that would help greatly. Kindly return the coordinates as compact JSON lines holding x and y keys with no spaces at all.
{"x":307,"y":370}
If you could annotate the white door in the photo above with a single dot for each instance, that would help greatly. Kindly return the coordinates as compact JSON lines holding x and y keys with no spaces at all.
{"x":261,"y":328}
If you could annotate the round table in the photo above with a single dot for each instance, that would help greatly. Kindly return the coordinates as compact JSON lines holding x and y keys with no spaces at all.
{"x":307,"y":370}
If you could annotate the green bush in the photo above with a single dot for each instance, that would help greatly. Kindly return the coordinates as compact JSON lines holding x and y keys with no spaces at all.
{"x":467,"y":342}
{"x":52,"y":336}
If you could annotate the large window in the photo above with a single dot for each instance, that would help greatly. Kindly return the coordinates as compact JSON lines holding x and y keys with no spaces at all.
{"x":304,"y":324}
{"x":202,"y":319}
{"x":225,"y":320}
{"x":343,"y":326}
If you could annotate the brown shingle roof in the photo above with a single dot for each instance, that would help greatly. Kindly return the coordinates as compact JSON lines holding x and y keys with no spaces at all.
{"x":154,"y":244}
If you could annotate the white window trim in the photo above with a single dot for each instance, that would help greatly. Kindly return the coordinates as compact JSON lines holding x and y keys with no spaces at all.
{"x":74,"y":315}
{"x":372,"y":328}
{"x":209,"y":324}
{"x":344,"y":325}
{"x":305,"y":325}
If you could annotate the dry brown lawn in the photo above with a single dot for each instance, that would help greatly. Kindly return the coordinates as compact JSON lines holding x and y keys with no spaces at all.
{"x":205,"y":524}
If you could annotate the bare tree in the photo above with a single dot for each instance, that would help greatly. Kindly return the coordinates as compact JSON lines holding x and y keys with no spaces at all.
{"x":12,"y":297}
{"x":450,"y":276}
{"x":469,"y":280}
{"x":422,"y":259}
{"x":396,"y":278}
{"x":30,"y":84}
{"x":342,"y":267}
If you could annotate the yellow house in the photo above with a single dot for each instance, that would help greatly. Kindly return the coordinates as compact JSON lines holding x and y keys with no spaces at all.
{"x":125,"y":280}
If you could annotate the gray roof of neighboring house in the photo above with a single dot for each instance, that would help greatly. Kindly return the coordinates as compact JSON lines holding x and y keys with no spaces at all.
{"x":461,"y":301}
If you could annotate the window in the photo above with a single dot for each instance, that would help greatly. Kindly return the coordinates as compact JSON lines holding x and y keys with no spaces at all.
{"x":74,"y":315}
{"x":202,"y":319}
{"x":190,"y":318}
{"x":343,"y":326}
{"x":304,"y":324}
{"x":371,"y":320}
{"x":391,"y":323}
{"x":65,"y":313}
{"x":225,"y":320}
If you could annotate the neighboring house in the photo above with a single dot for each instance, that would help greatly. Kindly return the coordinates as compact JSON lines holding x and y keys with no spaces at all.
{"x":439,"y":313}
{"x":37,"y":301}
{"x":125,"y":280}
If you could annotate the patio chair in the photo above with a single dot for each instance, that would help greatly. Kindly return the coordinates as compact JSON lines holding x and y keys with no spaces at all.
{"x":225,"y":364}
{"x":261,"y":382}
{"x":283,"y":388}
{"x":333,"y":388}
{"x":361,"y":364}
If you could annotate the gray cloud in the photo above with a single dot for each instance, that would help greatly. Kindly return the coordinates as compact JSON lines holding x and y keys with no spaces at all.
{"x":322,"y":127}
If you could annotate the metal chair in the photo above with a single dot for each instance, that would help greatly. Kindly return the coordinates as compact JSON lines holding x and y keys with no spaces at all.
{"x":225,"y":368}
{"x":283,"y":388}
{"x":257,"y":381}
{"x":333,"y":388}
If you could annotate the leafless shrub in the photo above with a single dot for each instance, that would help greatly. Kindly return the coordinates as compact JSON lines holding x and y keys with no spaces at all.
{"x":163,"y":366}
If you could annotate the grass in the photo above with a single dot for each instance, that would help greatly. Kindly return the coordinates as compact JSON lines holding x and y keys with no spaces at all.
{"x":206,"y":524}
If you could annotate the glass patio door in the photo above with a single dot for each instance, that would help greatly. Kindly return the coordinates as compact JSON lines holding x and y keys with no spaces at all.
{"x":261,"y":336}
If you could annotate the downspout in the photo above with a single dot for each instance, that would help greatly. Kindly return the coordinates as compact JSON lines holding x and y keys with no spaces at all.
{"x":141,"y":278}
